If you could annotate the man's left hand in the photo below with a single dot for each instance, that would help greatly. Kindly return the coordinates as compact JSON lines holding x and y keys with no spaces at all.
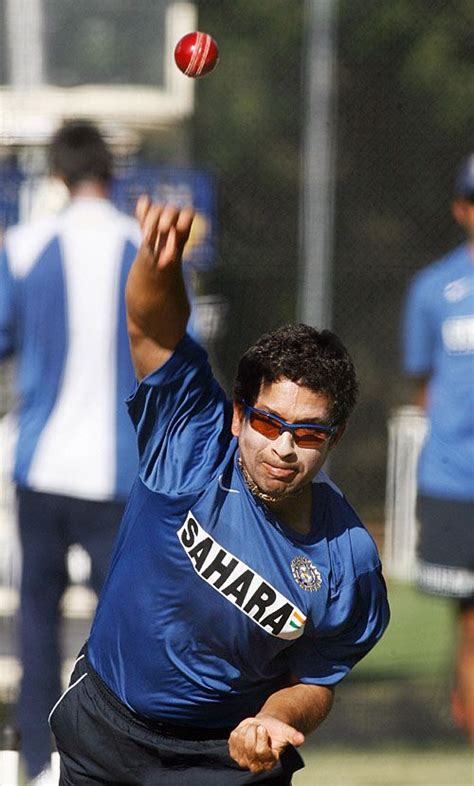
{"x":257,"y":743}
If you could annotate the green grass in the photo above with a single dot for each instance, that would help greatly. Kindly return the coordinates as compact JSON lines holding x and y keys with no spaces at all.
{"x":419,"y":640}
{"x":417,"y":650}
{"x":391,"y":767}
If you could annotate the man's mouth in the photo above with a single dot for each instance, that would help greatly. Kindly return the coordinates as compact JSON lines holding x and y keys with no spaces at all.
{"x":280,"y":473}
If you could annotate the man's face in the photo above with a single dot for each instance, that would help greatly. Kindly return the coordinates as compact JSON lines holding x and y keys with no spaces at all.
{"x":280,"y":467}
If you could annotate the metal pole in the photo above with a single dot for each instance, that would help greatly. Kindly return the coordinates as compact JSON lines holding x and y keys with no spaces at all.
{"x":317,"y":186}
{"x":25,"y":36}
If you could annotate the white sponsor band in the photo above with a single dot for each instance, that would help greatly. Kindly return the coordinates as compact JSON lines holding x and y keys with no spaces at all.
{"x":239,"y":583}
{"x":458,"y":335}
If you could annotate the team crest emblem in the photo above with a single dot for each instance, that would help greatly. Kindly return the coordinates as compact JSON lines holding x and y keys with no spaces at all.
{"x":305,"y":574}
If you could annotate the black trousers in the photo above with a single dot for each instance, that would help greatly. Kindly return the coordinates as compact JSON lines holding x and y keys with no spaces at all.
{"x":101,"y":741}
{"x":48,"y":525}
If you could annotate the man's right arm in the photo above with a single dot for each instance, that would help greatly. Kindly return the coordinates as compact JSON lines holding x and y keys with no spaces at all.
{"x":7,"y":310}
{"x":420,"y":391}
{"x":417,"y":344}
{"x":157,"y":303}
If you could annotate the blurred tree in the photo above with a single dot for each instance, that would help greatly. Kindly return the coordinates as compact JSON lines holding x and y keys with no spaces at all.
{"x":435,"y":49}
{"x":405,"y":114}
{"x":248,"y":127}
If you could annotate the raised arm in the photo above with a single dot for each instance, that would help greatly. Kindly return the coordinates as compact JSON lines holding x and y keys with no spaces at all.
{"x":157,"y":305}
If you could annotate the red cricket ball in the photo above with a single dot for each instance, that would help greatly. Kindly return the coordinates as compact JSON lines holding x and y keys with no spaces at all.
{"x":196,"y":54}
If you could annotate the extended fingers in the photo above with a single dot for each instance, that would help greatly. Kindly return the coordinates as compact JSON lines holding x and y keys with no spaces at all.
{"x":164,"y":217}
{"x":184,"y":223}
{"x":142,"y":207}
{"x":165,"y":229}
{"x":175,"y":225}
{"x":149,"y":216}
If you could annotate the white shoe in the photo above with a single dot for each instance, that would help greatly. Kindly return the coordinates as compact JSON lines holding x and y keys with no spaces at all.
{"x":45,"y":778}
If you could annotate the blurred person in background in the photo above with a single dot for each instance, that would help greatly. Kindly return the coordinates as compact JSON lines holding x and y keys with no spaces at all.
{"x":438,"y":338}
{"x":62,"y":316}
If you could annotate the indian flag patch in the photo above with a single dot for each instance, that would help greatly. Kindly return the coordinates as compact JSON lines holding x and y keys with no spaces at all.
{"x":297,"y":620}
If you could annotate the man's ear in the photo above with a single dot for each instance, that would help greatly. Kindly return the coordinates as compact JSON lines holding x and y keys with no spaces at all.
{"x":338,"y":435}
{"x":458,"y":209}
{"x":237,"y":417}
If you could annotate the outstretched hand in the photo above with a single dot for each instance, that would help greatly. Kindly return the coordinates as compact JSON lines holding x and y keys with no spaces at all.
{"x":257,"y":743}
{"x":165,"y":230}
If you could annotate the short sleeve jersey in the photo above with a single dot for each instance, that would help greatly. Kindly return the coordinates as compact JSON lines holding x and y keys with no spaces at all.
{"x":62,"y":316}
{"x":438,"y":339}
{"x":211,"y":603}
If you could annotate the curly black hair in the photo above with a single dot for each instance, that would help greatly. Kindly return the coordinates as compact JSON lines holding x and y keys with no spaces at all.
{"x":316,"y":359}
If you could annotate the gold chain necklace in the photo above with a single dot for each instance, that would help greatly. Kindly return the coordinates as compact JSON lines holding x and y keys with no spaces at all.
{"x":252,"y":486}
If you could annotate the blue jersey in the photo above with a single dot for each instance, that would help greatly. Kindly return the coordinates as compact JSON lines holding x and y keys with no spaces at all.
{"x":62,"y":315}
{"x":211,"y":603}
{"x":439,"y":344}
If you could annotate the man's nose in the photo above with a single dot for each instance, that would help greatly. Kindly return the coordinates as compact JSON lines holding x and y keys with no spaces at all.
{"x":284,"y":445}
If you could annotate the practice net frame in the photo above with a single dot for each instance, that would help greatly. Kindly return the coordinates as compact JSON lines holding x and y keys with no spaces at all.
{"x":407,"y":427}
